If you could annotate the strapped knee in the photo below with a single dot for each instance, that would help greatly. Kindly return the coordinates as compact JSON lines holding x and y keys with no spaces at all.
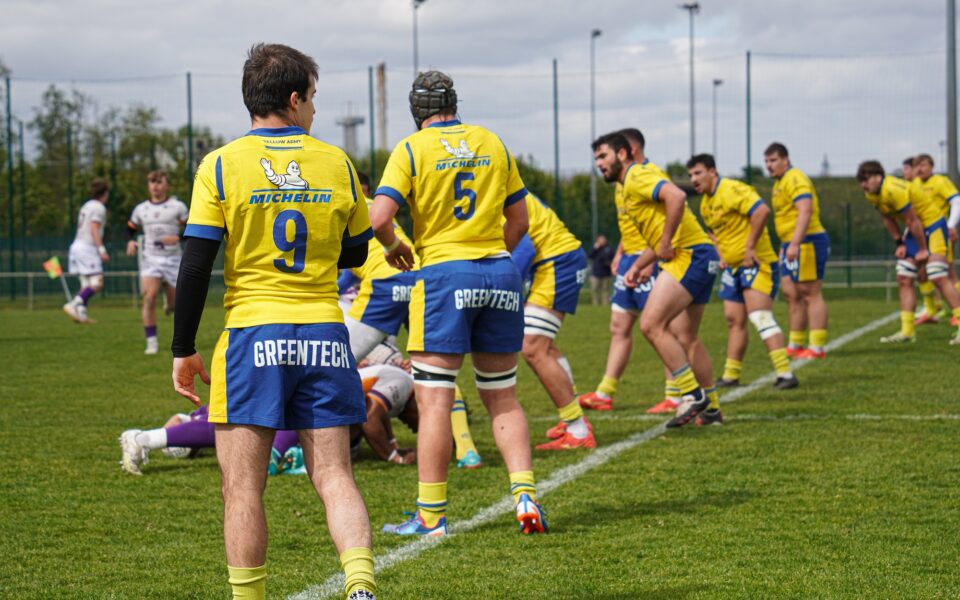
{"x":906,"y":268}
{"x":431,"y":376}
{"x":496,"y":380}
{"x":539,"y":321}
{"x":94,"y":281}
{"x":765,"y":323}
{"x":937,"y":270}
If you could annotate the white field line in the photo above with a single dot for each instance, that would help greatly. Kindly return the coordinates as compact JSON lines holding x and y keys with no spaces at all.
{"x":334,"y":585}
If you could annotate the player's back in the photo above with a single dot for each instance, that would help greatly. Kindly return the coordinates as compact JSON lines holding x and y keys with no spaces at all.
{"x":92,"y":211}
{"x":792,"y":187}
{"x":457,"y":178}
{"x":727,"y":212}
{"x":940,"y":189}
{"x":549,"y":235}
{"x":926,"y":208}
{"x":388,"y":384}
{"x":285,"y":203}
{"x":641,"y":195}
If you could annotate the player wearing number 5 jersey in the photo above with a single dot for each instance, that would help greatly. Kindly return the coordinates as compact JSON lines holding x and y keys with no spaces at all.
{"x":460,"y":182}
{"x":290,"y":212}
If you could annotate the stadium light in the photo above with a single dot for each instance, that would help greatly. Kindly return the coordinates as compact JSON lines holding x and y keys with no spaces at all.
{"x":716,"y":83}
{"x":693,"y":8}
{"x":416,"y":51}
{"x":594,"y":224}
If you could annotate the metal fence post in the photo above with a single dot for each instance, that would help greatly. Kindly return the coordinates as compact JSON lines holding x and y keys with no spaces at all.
{"x":70,"y":214}
{"x":23,"y":201}
{"x":557,"y":199}
{"x":29,"y":291}
{"x":189,"y":132}
{"x":13,"y":286}
{"x":749,"y":171}
{"x":848,"y":242}
{"x":373,"y":147}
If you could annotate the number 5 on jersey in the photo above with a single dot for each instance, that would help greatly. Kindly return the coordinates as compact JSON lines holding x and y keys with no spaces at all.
{"x":460,"y":192}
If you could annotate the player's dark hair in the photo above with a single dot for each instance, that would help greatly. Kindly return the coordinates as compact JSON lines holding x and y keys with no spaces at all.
{"x":702,"y":159}
{"x":778,"y":149}
{"x":615,"y":140}
{"x":909,"y":161}
{"x":868,"y":169}
{"x":158,"y":175}
{"x":633,"y":135}
{"x":99,"y":188}
{"x":271,"y":73}
{"x":364,"y":178}
{"x":923,"y":158}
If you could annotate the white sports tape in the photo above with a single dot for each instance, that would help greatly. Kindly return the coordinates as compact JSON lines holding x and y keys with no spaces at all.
{"x":937,"y":270}
{"x":496,"y":380}
{"x":539,"y":321}
{"x":765,"y":323}
{"x":431,"y":376}
{"x":91,"y":280}
{"x":905,"y":268}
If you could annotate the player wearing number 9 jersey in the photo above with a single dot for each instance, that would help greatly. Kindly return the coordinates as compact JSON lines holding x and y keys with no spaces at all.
{"x":290,"y":211}
{"x":460,"y":183}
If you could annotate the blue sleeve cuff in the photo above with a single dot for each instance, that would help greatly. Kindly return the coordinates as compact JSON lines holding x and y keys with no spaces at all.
{"x":356,"y":240}
{"x":755,"y":206}
{"x":515,"y":197}
{"x":392,"y":194}
{"x":206,"y":232}
{"x":905,"y":207}
{"x":346,"y":281}
{"x":803,"y":197}
{"x":656,"y":190}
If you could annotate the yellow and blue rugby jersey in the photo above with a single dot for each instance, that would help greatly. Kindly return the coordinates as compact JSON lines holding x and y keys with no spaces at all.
{"x":792,"y":187}
{"x":285,"y":203}
{"x":641,"y":190}
{"x":549,"y":235}
{"x":941,"y":190}
{"x":726,"y":212}
{"x":633,"y":242}
{"x":376,"y":266}
{"x":897,"y":195}
{"x":457,"y":178}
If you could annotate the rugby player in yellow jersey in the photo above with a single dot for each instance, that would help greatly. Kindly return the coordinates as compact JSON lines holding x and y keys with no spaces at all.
{"x":627,"y":302}
{"x":559,"y":270}
{"x":289,"y":210}
{"x":460,"y":183}
{"x":804,"y":250}
{"x":947,"y":199}
{"x":737,"y":217}
{"x":688,"y":263}
{"x":925,"y":241}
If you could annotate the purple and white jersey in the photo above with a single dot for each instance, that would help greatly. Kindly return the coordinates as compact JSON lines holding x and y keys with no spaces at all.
{"x":159,"y":220}
{"x":92,"y":211}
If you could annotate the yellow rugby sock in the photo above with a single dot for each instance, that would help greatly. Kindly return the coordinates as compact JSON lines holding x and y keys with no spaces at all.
{"x":522,"y":482}
{"x":797,"y":338}
{"x":685,"y":379}
{"x":956,"y":313}
{"x":780,"y":361}
{"x":608,"y":386}
{"x":671,"y":391}
{"x":957,"y":285}
{"x":432,"y":502}
{"x":818,"y":338}
{"x":570,"y":412}
{"x":907,"y":327}
{"x":461,"y":428}
{"x":732,"y":369}
{"x":357,"y":566}
{"x":929,"y":300}
{"x":248,"y":583}
{"x":714,"y":398}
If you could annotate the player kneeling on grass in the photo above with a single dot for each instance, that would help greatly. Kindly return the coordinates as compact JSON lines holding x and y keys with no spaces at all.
{"x":559,"y":270}
{"x":737,"y":216}
{"x":924,"y":245}
{"x":688,"y":263}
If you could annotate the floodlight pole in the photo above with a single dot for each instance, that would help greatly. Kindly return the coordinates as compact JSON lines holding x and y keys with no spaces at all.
{"x":594,"y":221}
{"x":416,"y":41}
{"x":716,"y":83}
{"x":693,"y":8}
{"x":951,"y":169}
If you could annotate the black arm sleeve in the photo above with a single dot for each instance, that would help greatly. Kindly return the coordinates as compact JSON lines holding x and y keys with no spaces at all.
{"x":192,"y":285}
{"x":352,"y":257}
{"x":130,"y":232}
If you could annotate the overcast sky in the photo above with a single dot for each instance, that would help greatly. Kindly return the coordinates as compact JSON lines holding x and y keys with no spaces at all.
{"x":842,"y":80}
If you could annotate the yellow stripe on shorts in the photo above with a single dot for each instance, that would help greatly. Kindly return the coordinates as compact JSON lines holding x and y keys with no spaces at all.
{"x":218,"y":381}
{"x":808,"y":263}
{"x":680,"y":264}
{"x":543,"y":291}
{"x":418,"y":300}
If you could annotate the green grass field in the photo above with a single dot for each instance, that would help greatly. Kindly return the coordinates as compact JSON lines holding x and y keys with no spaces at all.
{"x":844,"y":488}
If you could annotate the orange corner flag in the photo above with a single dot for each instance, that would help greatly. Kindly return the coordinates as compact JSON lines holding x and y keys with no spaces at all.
{"x":53,"y":268}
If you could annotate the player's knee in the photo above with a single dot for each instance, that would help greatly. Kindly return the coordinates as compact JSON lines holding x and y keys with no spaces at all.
{"x":535,"y":348}
{"x":907,"y":269}
{"x":937,"y":270}
{"x":432,"y":376}
{"x":539,"y":322}
{"x":496,"y":380}
{"x":651,"y":328}
{"x":765,"y":323}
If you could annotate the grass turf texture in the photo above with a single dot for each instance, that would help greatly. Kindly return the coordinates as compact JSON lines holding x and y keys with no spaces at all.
{"x":798,"y":498}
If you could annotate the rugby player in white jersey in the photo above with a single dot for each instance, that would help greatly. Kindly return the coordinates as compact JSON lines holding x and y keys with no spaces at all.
{"x":87,"y":252}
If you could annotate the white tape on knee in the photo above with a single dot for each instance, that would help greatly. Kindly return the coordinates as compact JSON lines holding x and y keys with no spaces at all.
{"x":539,"y":321}
{"x":765,"y":323}
{"x":496,"y":380}
{"x":431,"y":376}
{"x":905,"y":268}
{"x":937,"y":270}
{"x":95,"y":281}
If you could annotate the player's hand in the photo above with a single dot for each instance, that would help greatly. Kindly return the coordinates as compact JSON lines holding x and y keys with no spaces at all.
{"x":632,"y":277}
{"x":184,"y":371}
{"x":131,"y":248}
{"x":408,"y":456}
{"x":901,"y":251}
{"x":665,"y":252}
{"x":952,"y":234}
{"x":749,"y":258}
{"x":615,"y":263}
{"x":921,"y":256}
{"x":646,"y":273}
{"x":793,"y":252}
{"x":104,"y":257}
{"x":400,"y":258}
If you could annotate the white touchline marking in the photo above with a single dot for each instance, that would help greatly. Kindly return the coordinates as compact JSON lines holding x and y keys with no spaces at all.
{"x":334,"y":585}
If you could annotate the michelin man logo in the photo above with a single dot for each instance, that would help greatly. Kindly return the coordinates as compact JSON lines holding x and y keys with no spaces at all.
{"x":290,"y":180}
{"x":463,"y":151}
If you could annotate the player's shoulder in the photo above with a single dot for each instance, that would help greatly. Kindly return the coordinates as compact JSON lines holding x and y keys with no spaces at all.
{"x":795,"y":176}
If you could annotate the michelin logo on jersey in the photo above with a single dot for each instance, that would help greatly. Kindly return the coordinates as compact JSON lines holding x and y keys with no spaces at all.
{"x":462,"y":157}
{"x":291,"y":180}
